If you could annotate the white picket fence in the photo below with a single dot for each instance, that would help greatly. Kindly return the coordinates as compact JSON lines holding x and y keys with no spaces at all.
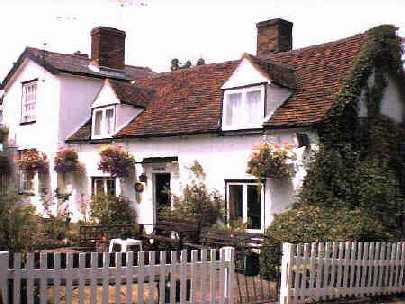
{"x":311,"y":272}
{"x":204,"y":276}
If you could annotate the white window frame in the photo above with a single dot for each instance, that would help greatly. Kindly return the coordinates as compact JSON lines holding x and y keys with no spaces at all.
{"x":243,"y":91}
{"x":105,"y":186}
{"x":103,"y":123}
{"x":28,"y":116}
{"x":244,"y":203}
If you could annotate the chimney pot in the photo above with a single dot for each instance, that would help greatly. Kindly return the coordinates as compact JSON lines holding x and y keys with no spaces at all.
{"x":273,"y":36}
{"x":108,"y":48}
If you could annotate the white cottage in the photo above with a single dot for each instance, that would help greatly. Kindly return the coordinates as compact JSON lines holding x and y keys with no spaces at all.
{"x":211,"y":113}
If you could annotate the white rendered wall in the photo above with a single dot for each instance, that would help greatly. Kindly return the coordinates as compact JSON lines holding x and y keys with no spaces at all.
{"x":222,"y":158}
{"x":391,"y":105}
{"x":76,"y":95}
{"x":125,"y":114}
{"x":43,"y":134}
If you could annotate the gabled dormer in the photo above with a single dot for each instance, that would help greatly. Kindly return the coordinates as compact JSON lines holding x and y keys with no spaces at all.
{"x":254,"y":92}
{"x":116,"y":104}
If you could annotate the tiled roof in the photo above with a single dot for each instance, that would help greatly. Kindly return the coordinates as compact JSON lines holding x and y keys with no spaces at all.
{"x":185,"y":101}
{"x":76,"y":64}
{"x":83,"y":133}
{"x":189,"y":101}
{"x":320,"y":71}
{"x":131,"y":94}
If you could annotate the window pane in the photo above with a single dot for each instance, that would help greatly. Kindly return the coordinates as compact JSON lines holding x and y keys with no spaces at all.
{"x":235,"y":202}
{"x":255,"y":108}
{"x":97,"y":123}
{"x":254,"y":212}
{"x":110,"y":186}
{"x":233,"y":108}
{"x":28,"y":101}
{"x":98,"y":186}
{"x":109,"y":121}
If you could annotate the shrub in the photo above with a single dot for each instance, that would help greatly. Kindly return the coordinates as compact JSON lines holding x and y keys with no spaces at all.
{"x":18,"y":224}
{"x":116,"y":161}
{"x":66,"y":161}
{"x":108,"y":210}
{"x":271,"y":160}
{"x":196,"y":206}
{"x":311,"y":223}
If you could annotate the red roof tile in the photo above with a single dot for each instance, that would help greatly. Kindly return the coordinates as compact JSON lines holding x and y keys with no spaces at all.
{"x":131,"y":94}
{"x":189,"y":101}
{"x":320,"y":71}
{"x":186,"y":101}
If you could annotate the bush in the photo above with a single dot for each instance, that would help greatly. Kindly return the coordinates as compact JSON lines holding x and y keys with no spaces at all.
{"x":109,"y":210}
{"x":18,"y":224}
{"x":197,"y":206}
{"x":311,"y":223}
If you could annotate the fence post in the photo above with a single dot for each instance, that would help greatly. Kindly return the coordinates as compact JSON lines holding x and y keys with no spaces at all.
{"x":4,"y":296}
{"x":229,"y":255}
{"x":285,"y":273}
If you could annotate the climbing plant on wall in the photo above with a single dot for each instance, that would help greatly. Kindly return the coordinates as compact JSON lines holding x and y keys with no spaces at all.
{"x":352,"y":189}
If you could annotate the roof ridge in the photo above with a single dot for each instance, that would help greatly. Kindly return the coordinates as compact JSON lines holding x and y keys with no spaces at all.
{"x":190,"y":69}
{"x":313,"y":46}
{"x":82,"y":57}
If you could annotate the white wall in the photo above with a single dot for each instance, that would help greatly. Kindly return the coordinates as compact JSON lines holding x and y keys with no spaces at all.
{"x":391,"y":105}
{"x":222,"y":158}
{"x":43,"y":134}
{"x":77,"y":94}
{"x":125,"y":114}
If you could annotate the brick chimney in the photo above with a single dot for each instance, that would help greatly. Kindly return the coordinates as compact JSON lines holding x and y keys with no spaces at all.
{"x":108,"y":48}
{"x":273,"y":36}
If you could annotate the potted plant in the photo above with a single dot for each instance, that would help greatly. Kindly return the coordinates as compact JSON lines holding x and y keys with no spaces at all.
{"x":272,"y":160}
{"x":67,"y":161}
{"x":32,"y":161}
{"x":116,"y":161}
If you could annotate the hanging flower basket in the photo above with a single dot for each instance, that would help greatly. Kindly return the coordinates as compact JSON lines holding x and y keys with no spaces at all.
{"x":116,"y":161}
{"x":67,"y":161}
{"x":32,"y":161}
{"x":272,"y":160}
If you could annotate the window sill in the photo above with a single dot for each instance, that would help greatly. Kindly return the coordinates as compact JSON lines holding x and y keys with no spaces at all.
{"x":101,"y":137}
{"x":24,"y":123}
{"x":242,"y":128}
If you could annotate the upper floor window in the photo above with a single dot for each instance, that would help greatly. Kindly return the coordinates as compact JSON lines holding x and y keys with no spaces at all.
{"x":103,"y":122}
{"x":29,"y":101}
{"x":243,"y":108}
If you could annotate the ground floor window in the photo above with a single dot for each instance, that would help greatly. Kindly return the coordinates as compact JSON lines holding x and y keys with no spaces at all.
{"x":103,"y":186}
{"x":25,"y":182}
{"x":245,"y":202}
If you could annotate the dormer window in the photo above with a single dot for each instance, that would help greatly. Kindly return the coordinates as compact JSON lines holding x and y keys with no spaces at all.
{"x":103,"y":122}
{"x":243,"y":108}
{"x":29,"y":101}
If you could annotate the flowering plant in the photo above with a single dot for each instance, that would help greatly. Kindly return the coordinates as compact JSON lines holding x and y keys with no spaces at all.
{"x":67,"y":160}
{"x":32,"y":161}
{"x":271,"y":160}
{"x":116,"y":161}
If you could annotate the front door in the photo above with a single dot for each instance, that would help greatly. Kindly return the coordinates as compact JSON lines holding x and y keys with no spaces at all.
{"x":162,"y":192}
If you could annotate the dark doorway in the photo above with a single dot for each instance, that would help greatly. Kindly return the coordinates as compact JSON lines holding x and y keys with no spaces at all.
{"x":162,"y":192}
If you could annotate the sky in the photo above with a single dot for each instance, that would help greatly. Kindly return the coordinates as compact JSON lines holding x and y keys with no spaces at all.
{"x":160,"y":30}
